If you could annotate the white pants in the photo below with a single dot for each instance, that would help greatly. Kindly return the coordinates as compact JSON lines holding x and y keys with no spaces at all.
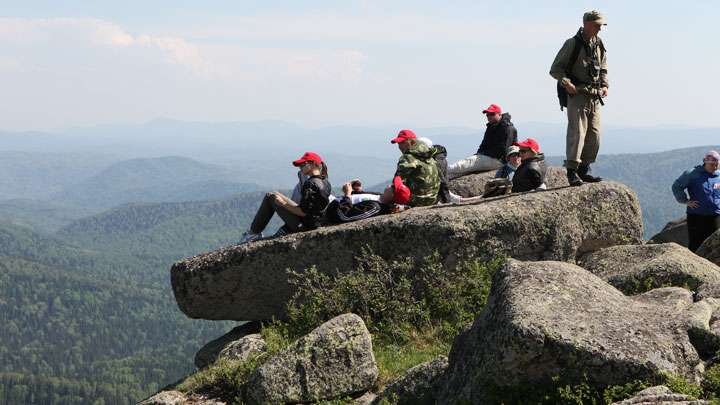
{"x":473,"y":164}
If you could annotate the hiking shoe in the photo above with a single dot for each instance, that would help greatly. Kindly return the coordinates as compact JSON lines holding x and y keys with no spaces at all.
{"x":249,"y":236}
{"x":573,"y":178}
{"x":584,"y":173}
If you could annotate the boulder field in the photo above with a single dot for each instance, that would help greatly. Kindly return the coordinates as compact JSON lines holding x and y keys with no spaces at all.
{"x":250,"y":282}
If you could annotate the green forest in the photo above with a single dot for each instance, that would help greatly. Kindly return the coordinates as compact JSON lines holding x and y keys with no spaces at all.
{"x":88,"y":313}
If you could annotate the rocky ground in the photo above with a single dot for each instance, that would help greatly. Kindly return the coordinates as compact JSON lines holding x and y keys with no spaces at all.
{"x":581,"y":301}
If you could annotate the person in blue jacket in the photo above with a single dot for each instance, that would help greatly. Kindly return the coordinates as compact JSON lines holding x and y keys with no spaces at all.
{"x":702,"y":199}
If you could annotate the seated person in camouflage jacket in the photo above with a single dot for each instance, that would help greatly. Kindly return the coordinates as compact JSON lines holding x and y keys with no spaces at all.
{"x":417,"y":169}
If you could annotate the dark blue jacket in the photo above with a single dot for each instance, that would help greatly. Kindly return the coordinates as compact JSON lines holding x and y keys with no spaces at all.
{"x":702,"y":187}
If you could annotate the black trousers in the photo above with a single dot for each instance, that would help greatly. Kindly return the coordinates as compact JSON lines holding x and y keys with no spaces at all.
{"x":700,"y":227}
{"x":267,"y":209}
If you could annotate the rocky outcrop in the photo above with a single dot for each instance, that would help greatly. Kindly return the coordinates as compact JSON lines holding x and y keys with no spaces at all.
{"x":674,"y":231}
{"x":638,"y":268}
{"x":178,"y":398}
{"x":554,"y":319}
{"x":208,"y":354}
{"x":473,"y":185}
{"x":332,"y":361}
{"x":710,"y":249}
{"x":660,"y":395}
{"x":244,"y":348}
{"x":250,"y":282}
{"x":417,"y":386}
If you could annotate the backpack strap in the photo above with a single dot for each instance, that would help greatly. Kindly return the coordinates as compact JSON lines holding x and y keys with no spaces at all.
{"x":574,"y":56}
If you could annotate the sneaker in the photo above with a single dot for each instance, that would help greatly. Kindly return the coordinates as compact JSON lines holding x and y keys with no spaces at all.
{"x":454,"y":198}
{"x":249,"y":236}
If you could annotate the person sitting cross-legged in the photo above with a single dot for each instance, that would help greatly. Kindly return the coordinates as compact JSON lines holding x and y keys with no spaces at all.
{"x":314,"y":198}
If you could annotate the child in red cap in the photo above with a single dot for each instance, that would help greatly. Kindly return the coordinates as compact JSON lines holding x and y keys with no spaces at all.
{"x":531,"y":173}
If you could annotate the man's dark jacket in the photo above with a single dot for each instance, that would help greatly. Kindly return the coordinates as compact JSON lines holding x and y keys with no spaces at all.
{"x":498,"y":137}
{"x":530,"y":175}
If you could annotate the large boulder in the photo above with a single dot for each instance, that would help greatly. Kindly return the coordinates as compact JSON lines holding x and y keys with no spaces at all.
{"x":638,"y":268}
{"x":332,"y":361}
{"x":417,"y":385}
{"x":660,"y":394}
{"x":545,"y":320}
{"x":250,"y":282}
{"x":674,"y":231}
{"x":710,"y":249}
{"x":473,"y":185}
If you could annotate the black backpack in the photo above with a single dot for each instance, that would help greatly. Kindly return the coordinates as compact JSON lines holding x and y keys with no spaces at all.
{"x":561,"y":92}
{"x":339,"y":213}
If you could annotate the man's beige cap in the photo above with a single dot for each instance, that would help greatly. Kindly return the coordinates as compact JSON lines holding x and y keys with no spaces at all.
{"x":595,"y":16}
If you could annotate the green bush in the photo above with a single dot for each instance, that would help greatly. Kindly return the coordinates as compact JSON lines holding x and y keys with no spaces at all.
{"x":396,"y":299}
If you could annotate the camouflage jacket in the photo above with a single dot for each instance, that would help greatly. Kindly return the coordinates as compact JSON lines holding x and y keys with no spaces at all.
{"x":580,"y":70}
{"x":419,"y":172}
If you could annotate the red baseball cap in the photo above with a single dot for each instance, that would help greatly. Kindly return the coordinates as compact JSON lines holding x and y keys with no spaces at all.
{"x":308,"y":157}
{"x":401,"y":191}
{"x":404,"y":135}
{"x":529,"y":144}
{"x":494,"y":108}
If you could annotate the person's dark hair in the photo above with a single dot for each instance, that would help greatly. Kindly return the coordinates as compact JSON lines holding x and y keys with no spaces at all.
{"x":323,"y":170}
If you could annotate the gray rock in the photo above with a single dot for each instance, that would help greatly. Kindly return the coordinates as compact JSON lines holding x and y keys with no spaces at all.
{"x":660,"y":395}
{"x":674,"y":231}
{"x":365,"y":399}
{"x":166,"y":398}
{"x":244,"y":348}
{"x":638,"y":268}
{"x":250,"y":282}
{"x":473,"y":185}
{"x":209,"y":353}
{"x":548,"y":319}
{"x":417,"y":385}
{"x":710,"y":249}
{"x":332,"y":361}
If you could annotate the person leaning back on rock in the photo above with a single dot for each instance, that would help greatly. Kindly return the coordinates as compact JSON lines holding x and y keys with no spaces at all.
{"x":302,"y":216}
{"x":703,"y":204}
{"x":581,"y":70}
{"x":499,"y":135}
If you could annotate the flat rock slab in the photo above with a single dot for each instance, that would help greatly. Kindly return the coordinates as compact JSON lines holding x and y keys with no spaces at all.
{"x":554,"y":319}
{"x":473,"y":185}
{"x":639,"y":268}
{"x":710,"y":249}
{"x":660,"y":395}
{"x":250,"y":282}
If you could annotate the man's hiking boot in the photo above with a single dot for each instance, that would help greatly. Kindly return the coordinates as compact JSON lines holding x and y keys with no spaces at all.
{"x":250,"y":236}
{"x":573,"y":178}
{"x":584,"y":173}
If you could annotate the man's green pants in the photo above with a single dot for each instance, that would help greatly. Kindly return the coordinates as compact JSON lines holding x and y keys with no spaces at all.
{"x":583,"y":130}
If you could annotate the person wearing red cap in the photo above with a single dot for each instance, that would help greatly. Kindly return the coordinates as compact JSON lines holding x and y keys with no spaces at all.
{"x":531,"y":173}
{"x":315,"y":193}
{"x":417,"y":169}
{"x":500,"y":133}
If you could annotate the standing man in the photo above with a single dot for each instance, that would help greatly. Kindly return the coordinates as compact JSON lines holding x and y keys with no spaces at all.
{"x":580,"y":68}
{"x":499,"y":135}
{"x":699,"y":189}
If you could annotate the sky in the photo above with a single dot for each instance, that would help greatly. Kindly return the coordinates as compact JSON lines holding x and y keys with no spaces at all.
{"x":320,"y":63}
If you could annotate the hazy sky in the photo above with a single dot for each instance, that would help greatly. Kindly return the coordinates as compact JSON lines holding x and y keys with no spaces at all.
{"x":424,"y":63}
